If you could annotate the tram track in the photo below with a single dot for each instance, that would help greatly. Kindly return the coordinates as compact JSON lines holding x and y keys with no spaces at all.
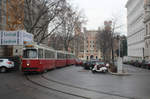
{"x":53,"y":89}
{"x":86,"y":89}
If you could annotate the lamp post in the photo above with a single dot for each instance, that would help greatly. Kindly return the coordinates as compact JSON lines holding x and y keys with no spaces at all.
{"x":119,"y":47}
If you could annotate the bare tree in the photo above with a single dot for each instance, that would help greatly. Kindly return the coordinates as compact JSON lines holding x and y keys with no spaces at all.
{"x":40,"y":14}
{"x":46,"y":18}
{"x":56,"y":42}
{"x":78,"y":43}
{"x":39,"y":17}
{"x":103,"y":41}
{"x":70,"y":19}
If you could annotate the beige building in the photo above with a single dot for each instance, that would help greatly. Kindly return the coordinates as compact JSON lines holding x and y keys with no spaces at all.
{"x":90,"y":49}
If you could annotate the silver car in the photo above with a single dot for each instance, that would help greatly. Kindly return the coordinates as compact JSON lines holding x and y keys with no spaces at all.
{"x":5,"y":64}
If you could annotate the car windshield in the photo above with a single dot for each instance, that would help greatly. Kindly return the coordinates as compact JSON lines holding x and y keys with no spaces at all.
{"x":100,"y":63}
{"x":30,"y":53}
{"x":94,"y":62}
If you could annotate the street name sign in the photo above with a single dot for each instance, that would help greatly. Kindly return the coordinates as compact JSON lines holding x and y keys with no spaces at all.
{"x":15,"y":37}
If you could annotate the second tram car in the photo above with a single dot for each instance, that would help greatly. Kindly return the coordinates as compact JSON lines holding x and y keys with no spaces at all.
{"x":70,"y":60}
{"x":37,"y":58}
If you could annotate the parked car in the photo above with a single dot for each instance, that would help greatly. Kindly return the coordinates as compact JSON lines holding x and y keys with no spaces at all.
{"x":87,"y":65}
{"x":90,"y":64}
{"x":6,"y":64}
{"x":141,"y":62}
{"x":136,"y":63}
{"x":146,"y":65}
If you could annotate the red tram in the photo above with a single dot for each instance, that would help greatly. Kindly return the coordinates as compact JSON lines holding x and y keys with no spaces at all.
{"x":37,"y":58}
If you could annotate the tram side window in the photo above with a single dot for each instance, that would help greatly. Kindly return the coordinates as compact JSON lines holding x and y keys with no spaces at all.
{"x":67,"y":56}
{"x":60,"y":55}
{"x":63,"y":56}
{"x":40,"y":53}
{"x":49,"y":54}
{"x":52,"y":54}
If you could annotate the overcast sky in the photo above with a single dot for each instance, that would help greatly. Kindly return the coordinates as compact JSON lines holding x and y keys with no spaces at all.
{"x":97,"y":11}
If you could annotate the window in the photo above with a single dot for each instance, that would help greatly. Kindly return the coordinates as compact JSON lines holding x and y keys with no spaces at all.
{"x":62,"y":56}
{"x":146,"y":29}
{"x":49,"y":54}
{"x":40,"y":53}
{"x":16,"y":50}
{"x":0,"y":16}
{"x":87,"y":57}
{"x":1,"y":60}
{"x":30,"y":53}
{"x":149,"y":29}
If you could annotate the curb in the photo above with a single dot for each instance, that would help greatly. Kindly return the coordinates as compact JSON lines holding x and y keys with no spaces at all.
{"x":119,"y":74}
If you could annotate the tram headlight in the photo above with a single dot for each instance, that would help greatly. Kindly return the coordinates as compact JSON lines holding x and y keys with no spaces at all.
{"x":28,"y":64}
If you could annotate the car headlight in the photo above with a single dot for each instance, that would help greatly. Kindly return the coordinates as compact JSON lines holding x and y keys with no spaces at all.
{"x":28,"y":64}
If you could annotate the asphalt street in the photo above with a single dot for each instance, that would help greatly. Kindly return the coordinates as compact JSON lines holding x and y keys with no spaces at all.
{"x":76,"y":83}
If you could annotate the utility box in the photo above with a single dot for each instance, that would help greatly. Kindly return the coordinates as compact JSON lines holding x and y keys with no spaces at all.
{"x":119,"y":65}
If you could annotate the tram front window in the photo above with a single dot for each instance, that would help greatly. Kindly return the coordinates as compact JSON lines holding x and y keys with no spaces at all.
{"x":30,"y":53}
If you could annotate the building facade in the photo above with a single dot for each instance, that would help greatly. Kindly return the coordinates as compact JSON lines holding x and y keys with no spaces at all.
{"x":11,"y":20}
{"x":135,"y":28}
{"x":90,"y":49}
{"x":2,"y":14}
{"x":147,"y":29}
{"x":2,"y":21}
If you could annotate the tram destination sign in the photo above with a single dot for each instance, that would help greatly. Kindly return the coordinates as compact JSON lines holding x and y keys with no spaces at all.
{"x":15,"y":37}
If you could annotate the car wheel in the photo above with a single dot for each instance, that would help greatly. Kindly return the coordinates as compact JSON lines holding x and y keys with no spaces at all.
{"x":3,"y":69}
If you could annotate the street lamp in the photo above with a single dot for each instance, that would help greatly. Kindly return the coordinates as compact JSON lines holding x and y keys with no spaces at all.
{"x":118,"y":38}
